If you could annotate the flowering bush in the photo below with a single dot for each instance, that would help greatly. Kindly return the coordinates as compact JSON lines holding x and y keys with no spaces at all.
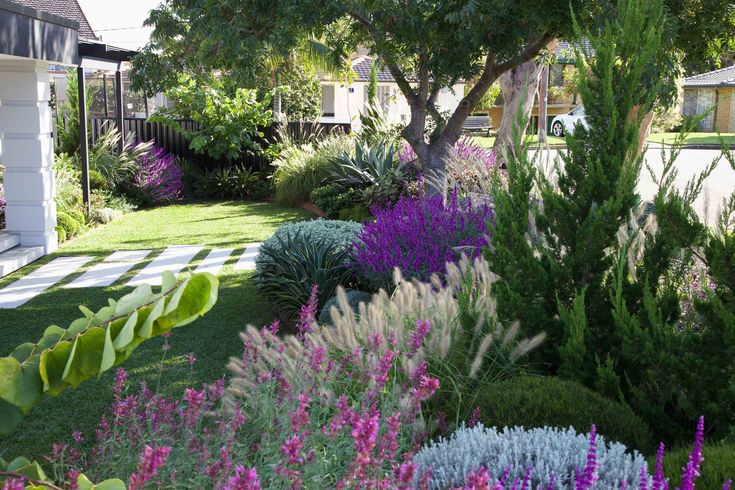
{"x":314,"y":431}
{"x":419,"y":236}
{"x":159,"y":177}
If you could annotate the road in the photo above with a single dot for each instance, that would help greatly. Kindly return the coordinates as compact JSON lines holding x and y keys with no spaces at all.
{"x":690,"y":164}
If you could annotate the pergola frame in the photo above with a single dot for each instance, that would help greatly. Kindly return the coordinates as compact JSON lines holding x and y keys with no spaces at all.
{"x":102,"y":56}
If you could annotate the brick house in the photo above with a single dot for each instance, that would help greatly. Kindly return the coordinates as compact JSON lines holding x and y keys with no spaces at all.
{"x":712,"y":90}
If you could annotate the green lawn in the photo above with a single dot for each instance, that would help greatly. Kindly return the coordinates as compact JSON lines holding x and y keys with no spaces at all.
{"x":694,"y":138}
{"x":489,"y":142}
{"x":212,"y":339}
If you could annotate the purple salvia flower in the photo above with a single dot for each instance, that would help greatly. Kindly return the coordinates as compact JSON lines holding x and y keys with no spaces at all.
{"x":474,"y":417}
{"x":588,"y":477}
{"x":643,"y":485}
{"x":659,"y":480}
{"x":14,"y":484}
{"x":727,"y":485}
{"x":691,"y":470}
{"x":159,"y":176}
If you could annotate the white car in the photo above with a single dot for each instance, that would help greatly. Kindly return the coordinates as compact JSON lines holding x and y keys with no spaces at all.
{"x":565,"y":123}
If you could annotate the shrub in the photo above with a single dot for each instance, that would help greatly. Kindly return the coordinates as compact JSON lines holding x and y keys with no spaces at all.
{"x":105,"y":215}
{"x":69,"y":224}
{"x":357,"y":213}
{"x":78,"y":216}
{"x":536,"y":401}
{"x":67,"y":182}
{"x":332,"y":198}
{"x":300,"y":169}
{"x":354,"y":298}
{"x":229,"y":119}
{"x":159,"y":178}
{"x":97,"y":181}
{"x":119,"y":168}
{"x":420,"y":235}
{"x":543,"y":452}
{"x":61,"y":234}
{"x":301,"y":256}
{"x":718,"y":465}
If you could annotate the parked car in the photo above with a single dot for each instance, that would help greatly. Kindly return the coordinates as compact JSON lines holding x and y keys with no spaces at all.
{"x":565,"y":123}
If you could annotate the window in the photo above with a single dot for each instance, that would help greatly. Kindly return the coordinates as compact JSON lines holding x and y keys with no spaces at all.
{"x":328,"y":100}
{"x":384,"y":96}
{"x":699,"y":101}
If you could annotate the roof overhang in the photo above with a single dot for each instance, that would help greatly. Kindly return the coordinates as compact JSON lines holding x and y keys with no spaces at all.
{"x":95,"y":54}
{"x":33,"y":34}
{"x":709,"y":85}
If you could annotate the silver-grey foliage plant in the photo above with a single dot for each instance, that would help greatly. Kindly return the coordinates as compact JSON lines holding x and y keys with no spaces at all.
{"x":547,"y":451}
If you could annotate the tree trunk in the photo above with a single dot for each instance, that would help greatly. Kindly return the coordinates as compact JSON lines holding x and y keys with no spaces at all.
{"x":543,"y":101}
{"x":519,"y":86}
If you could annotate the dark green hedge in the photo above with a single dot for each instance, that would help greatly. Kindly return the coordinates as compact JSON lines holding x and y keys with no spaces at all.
{"x":536,"y":401}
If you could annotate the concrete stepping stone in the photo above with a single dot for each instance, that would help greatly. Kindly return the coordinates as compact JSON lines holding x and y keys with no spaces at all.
{"x":101,"y":275}
{"x":128,"y":256}
{"x":26,"y":288}
{"x":174,"y":259}
{"x":215,"y":260}
{"x":247,"y":259}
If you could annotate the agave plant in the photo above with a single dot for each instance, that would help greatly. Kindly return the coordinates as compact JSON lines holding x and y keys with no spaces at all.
{"x":370,"y":165}
{"x":295,"y":264}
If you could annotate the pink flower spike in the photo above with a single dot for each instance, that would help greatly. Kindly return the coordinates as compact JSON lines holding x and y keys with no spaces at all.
{"x":243,"y":480}
{"x":691,"y":471}
{"x":659,"y":480}
{"x":727,"y":485}
{"x":150,"y":461}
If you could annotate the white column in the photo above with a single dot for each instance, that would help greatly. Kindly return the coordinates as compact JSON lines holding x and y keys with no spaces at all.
{"x":26,"y":151}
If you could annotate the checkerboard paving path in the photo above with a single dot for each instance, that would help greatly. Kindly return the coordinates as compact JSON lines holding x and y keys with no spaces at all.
{"x":175,"y":258}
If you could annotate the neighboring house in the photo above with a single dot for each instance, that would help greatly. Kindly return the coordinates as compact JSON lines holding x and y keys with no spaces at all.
{"x":343,"y":103}
{"x":714,"y":90}
{"x":559,"y":102}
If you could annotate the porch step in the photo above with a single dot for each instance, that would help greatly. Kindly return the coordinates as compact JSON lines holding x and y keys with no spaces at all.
{"x":17,"y":257}
{"x":8,"y":240}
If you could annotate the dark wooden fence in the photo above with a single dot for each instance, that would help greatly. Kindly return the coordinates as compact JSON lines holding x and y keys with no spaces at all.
{"x":177,"y":143}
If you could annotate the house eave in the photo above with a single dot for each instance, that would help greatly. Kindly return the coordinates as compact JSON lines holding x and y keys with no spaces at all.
{"x":29,"y":33}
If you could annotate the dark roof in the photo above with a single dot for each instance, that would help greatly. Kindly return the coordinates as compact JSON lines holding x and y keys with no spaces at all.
{"x":69,"y":9}
{"x":361,"y":66}
{"x":724,"y":77}
{"x":565,"y":51}
{"x":105,"y":52}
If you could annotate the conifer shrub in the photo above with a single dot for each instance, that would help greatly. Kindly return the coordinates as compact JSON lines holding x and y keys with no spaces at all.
{"x":540,"y":401}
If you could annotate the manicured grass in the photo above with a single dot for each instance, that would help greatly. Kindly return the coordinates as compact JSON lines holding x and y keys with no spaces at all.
{"x":212,"y":339}
{"x":489,"y":142}
{"x":694,"y":138}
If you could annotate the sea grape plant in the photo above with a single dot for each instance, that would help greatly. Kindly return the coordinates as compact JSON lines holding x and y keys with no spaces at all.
{"x":96,"y":342}
{"x":419,"y":235}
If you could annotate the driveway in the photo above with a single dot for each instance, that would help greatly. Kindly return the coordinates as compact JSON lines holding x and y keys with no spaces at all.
{"x":691,"y":162}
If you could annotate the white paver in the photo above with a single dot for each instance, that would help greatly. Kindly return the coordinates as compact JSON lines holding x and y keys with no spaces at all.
{"x":28,"y":287}
{"x":174,"y":259}
{"x":101,"y":275}
{"x":247,"y":259}
{"x":215,"y":260}
{"x":128,"y":256}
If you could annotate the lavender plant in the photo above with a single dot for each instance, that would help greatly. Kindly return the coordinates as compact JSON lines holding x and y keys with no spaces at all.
{"x":419,"y":236}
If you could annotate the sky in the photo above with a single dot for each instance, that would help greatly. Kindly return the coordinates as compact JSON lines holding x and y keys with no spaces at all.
{"x":120,"y":23}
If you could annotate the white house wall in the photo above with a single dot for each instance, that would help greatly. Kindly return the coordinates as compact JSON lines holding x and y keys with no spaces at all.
{"x":349,"y":102}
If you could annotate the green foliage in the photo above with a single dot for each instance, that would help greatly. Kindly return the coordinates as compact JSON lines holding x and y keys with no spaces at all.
{"x":229,"y":120}
{"x":371,"y":89}
{"x":354,"y":298}
{"x":543,"y":401}
{"x":37,"y":479}
{"x":333,"y":198}
{"x":61,"y":234}
{"x":96,"y":342}
{"x":718,"y":465}
{"x":117,"y":167}
{"x":357,"y":213}
{"x":375,"y":127}
{"x":300,"y":169}
{"x":97,"y":181}
{"x":67,"y":119}
{"x":237,"y":182}
{"x":68,"y":224}
{"x":300,"y":255}
{"x":301,"y":93}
